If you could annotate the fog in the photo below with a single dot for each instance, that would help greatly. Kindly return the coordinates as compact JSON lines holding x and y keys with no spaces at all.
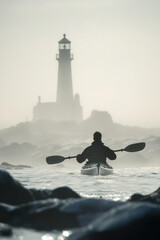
{"x":115,"y":71}
{"x":31,"y":142}
{"x":116,"y":57}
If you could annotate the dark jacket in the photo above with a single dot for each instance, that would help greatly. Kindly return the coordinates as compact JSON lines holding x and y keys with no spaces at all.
{"x":96,"y":153}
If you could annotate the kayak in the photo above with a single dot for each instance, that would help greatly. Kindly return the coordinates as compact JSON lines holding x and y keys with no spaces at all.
{"x":96,"y":169}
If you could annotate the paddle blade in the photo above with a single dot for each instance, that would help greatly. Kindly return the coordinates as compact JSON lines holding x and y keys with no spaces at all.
{"x":135,"y":147}
{"x":54,"y":159}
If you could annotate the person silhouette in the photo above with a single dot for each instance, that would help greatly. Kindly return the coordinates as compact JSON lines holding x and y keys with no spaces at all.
{"x":97,"y":152}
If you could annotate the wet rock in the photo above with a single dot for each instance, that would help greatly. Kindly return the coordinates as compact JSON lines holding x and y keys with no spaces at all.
{"x":153,"y":197}
{"x":56,"y":214}
{"x":12,"y":191}
{"x":132,"y":221}
{"x":89,"y":218}
{"x":60,"y":193}
{"x":40,"y":215}
{"x":5,"y":230}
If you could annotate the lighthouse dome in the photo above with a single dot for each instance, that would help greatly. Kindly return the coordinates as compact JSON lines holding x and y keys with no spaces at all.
{"x":64,"y":39}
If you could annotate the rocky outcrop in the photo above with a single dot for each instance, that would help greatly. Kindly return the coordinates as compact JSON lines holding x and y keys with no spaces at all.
{"x":88,"y":218}
{"x":60,"y":193}
{"x":8,"y":166}
{"x":11,"y":191}
{"x":5,"y":230}
{"x":55,"y":213}
{"x":138,"y":221}
{"x":152,"y":197}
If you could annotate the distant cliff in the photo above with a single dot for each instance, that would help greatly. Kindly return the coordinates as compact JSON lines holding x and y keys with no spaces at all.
{"x":47,"y":131}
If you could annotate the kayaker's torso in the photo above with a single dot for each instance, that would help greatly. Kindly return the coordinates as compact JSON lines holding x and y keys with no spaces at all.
{"x":96,"y":153}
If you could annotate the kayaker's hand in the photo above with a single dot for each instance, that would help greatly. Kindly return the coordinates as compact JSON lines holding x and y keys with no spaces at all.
{"x":79,"y":158}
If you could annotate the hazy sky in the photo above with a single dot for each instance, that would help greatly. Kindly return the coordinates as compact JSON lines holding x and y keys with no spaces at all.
{"x":116,"y":47}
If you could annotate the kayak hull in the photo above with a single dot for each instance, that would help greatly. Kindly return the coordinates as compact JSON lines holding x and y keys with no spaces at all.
{"x":96,"y":169}
{"x":104,"y":170}
{"x":90,"y":169}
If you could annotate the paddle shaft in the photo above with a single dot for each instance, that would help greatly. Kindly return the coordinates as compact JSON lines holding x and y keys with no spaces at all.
{"x":120,"y":150}
{"x":70,"y":157}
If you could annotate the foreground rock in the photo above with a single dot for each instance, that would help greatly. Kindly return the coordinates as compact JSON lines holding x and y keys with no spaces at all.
{"x":12,"y":192}
{"x":152,"y":197}
{"x":60,"y":193}
{"x":5,"y":230}
{"x":89,"y":218}
{"x":129,"y":221}
{"x":55,"y":214}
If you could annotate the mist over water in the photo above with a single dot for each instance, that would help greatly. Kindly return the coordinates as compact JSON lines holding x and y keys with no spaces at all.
{"x":31,"y":142}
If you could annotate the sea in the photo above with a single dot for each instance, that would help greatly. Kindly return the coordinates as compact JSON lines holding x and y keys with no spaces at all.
{"x":119,"y":186}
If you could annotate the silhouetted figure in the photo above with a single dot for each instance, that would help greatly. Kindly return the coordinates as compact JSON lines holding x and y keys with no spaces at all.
{"x":97,"y":152}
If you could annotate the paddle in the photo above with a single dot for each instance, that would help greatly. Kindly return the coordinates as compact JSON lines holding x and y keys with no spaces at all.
{"x":57,"y":159}
{"x":130,"y":148}
{"x":133,"y":147}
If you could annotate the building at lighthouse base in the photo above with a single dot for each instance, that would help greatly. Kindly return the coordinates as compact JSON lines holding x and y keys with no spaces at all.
{"x":58,"y":112}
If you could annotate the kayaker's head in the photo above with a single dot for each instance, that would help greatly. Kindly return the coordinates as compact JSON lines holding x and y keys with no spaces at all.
{"x":97,"y":136}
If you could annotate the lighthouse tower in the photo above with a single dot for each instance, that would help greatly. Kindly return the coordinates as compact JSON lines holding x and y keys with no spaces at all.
{"x":67,"y":106}
{"x":64,"y":86}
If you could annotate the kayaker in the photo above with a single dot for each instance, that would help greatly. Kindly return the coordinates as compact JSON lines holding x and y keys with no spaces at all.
{"x":97,"y":152}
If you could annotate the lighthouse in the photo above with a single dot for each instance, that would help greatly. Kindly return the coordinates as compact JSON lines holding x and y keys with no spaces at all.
{"x":67,"y":106}
{"x":64,"y":86}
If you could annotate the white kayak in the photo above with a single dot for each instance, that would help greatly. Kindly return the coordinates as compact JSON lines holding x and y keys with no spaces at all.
{"x":96,"y":169}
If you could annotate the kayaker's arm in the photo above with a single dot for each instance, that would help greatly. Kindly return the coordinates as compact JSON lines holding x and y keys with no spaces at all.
{"x":82,"y":157}
{"x":110,"y":154}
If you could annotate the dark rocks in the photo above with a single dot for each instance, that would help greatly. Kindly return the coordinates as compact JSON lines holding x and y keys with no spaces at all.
{"x":40,"y":215}
{"x":60,"y":193}
{"x":152,"y":197}
{"x":138,"y":221}
{"x":5,"y":230}
{"x":11,"y":191}
{"x":56,"y":214}
{"x":88,"y":218}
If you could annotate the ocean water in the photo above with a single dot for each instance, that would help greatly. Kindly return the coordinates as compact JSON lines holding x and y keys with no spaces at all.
{"x":119,"y":186}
